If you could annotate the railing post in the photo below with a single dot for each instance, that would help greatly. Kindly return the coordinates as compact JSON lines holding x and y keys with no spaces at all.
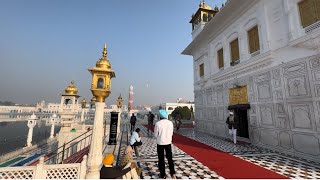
{"x":83,"y":167}
{"x":63,"y":149}
{"x":40,"y":174}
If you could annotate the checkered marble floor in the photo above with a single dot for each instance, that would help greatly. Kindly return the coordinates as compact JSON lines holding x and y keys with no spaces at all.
{"x":186,"y":167}
{"x":286,"y":165}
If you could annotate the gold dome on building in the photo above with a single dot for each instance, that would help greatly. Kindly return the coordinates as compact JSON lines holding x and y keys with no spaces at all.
{"x":71,"y":89}
{"x":216,"y":8}
{"x":203,"y":5}
{"x":104,"y":62}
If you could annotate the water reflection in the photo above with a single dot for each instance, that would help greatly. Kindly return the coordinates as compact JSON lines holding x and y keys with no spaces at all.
{"x":13,"y":135}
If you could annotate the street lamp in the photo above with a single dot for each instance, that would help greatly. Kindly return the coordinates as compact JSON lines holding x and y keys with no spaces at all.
{"x":100,"y":88}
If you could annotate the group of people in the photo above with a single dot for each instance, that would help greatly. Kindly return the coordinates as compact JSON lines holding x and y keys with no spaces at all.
{"x":128,"y":169}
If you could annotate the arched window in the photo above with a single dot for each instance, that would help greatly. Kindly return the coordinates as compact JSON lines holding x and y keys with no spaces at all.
{"x":100,"y":84}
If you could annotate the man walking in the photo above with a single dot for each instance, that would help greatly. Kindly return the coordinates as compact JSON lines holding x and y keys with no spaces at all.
{"x":150,"y":121}
{"x":232,"y":125}
{"x":133,"y":121}
{"x":163,"y":132}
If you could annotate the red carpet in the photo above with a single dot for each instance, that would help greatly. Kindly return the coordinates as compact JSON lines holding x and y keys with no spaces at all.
{"x":224,"y":164}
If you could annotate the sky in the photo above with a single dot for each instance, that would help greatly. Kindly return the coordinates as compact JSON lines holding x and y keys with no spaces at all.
{"x":45,"y":44}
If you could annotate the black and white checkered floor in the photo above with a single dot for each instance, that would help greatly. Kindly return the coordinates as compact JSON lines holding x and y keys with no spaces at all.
{"x":186,"y":167}
{"x":189,"y":168}
{"x":289,"y":166}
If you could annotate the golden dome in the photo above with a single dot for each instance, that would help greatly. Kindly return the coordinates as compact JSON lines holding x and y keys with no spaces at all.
{"x":203,"y":5}
{"x":104,"y":62}
{"x":84,"y":100}
{"x":71,"y":89}
{"x":216,"y":8}
{"x":93,"y":99}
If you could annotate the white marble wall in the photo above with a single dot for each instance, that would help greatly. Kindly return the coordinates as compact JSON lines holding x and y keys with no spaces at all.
{"x":285,"y":107}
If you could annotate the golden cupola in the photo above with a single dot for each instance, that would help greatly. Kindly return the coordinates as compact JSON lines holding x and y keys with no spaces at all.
{"x":101,"y":77}
{"x":71,"y":89}
{"x":203,"y":5}
{"x":103,"y":61}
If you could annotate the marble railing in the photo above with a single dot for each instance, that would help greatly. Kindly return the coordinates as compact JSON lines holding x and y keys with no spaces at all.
{"x":42,"y":171}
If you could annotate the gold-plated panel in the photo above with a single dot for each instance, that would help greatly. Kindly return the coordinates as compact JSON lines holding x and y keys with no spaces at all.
{"x":238,"y":95}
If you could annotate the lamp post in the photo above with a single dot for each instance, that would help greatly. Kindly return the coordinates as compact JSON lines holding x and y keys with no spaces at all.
{"x":31,"y":123}
{"x":119,"y":105}
{"x":83,"y":106}
{"x":100,"y":88}
{"x":53,"y":121}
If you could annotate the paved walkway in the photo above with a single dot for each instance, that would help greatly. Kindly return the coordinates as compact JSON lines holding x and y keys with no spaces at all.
{"x":189,"y":168}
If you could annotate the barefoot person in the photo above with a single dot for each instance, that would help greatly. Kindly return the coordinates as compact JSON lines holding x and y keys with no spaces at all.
{"x":232,"y":125}
{"x":163,"y":132}
{"x":135,"y":141}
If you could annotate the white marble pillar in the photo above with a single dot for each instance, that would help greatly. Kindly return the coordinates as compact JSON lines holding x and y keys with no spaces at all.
{"x":53,"y":121}
{"x":119,"y":121}
{"x":31,"y":124}
{"x":95,"y":153}
{"x":82,"y":115}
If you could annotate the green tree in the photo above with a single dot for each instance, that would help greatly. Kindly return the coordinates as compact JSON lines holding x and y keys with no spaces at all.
{"x":184,"y":112}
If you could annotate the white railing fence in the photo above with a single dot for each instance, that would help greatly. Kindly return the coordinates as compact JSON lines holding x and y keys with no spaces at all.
{"x":42,"y":171}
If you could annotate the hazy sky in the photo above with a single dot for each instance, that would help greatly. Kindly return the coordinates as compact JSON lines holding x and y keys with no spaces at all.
{"x":45,"y":44}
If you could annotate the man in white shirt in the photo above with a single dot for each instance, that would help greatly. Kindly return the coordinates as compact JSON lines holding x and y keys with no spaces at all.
{"x":135,"y":141}
{"x":163,"y":132}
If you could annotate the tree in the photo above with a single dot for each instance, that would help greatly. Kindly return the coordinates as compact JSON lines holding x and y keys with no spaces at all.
{"x":184,"y":112}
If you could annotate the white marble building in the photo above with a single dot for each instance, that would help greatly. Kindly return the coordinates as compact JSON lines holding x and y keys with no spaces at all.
{"x":271,"y":50}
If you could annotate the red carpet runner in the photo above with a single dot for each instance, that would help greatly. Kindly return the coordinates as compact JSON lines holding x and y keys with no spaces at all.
{"x":224,"y":164}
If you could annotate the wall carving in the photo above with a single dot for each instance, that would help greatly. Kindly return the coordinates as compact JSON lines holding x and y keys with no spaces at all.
{"x":276,"y":74}
{"x":269,"y":137}
{"x":280,"y":108}
{"x":301,"y":116}
{"x":209,"y":97}
{"x":266,"y":115}
{"x":277,"y":83}
{"x":253,"y":121}
{"x":255,"y":135}
{"x":221,"y":114}
{"x":315,"y":75}
{"x":315,"y":63}
{"x":285,"y":140}
{"x":278,"y":94}
{"x":252,"y":110}
{"x":295,"y":69}
{"x":220,"y":97}
{"x":263,"y":77}
{"x":304,"y":143}
{"x":297,"y":87}
{"x":282,"y":123}
{"x":264,"y":91}
{"x":317,"y":90}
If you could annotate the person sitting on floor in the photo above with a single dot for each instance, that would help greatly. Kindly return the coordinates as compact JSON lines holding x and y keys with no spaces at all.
{"x":126,"y":161}
{"x":135,"y":141}
{"x":109,"y":172}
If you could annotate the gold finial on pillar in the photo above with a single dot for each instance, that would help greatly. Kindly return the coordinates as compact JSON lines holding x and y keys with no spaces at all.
{"x":104,"y":52}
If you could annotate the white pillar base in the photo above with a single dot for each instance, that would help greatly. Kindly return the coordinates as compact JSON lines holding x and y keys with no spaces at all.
{"x":95,"y":153}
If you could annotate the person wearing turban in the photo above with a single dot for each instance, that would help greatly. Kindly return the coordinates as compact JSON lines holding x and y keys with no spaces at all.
{"x":108,"y":171}
{"x":163,"y":132}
